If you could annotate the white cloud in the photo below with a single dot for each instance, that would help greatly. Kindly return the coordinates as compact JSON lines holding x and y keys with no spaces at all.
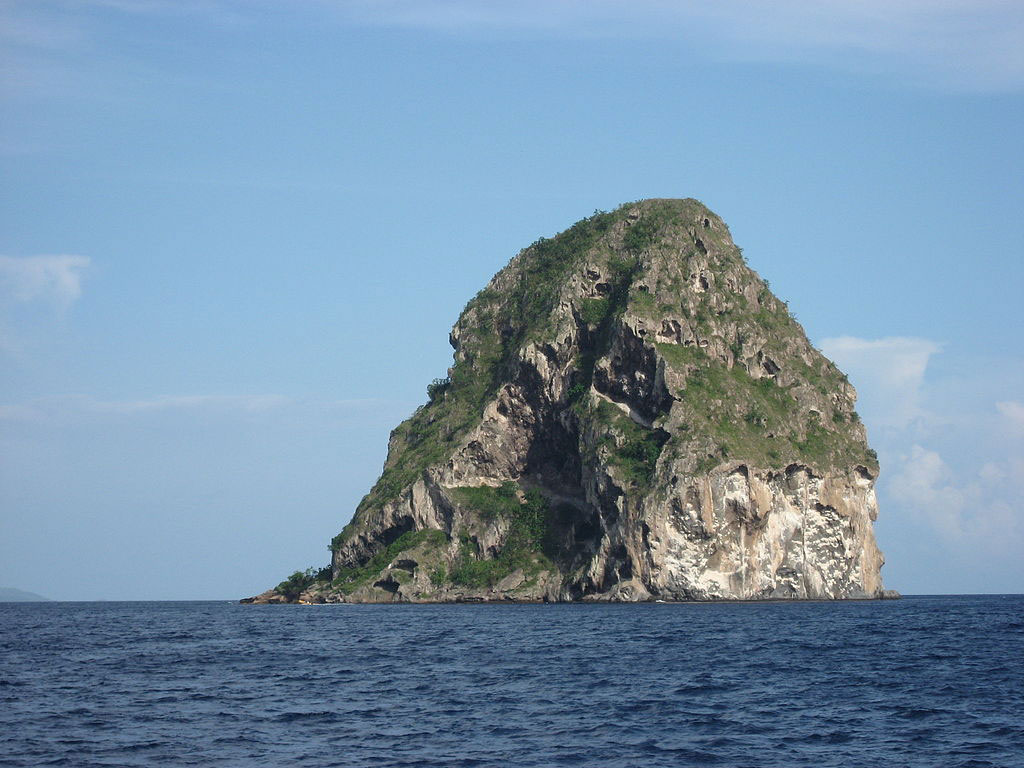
{"x":923,"y":483}
{"x":959,"y":43}
{"x":1013,"y":413}
{"x":53,"y":279}
{"x":889,"y":373}
{"x":965,"y":511}
{"x":34,"y":291}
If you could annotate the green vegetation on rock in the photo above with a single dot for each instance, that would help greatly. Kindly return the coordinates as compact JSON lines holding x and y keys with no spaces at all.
{"x":756,"y":420}
{"x":682,"y":357}
{"x":525,"y":546}
{"x":350,"y":579}
{"x":633,"y":449}
{"x":594,"y":311}
{"x":300,"y":581}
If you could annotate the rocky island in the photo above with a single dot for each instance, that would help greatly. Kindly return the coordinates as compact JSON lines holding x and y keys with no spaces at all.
{"x":631,"y":415}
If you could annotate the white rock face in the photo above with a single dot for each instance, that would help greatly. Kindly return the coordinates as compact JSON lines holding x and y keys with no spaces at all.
{"x":745,"y":534}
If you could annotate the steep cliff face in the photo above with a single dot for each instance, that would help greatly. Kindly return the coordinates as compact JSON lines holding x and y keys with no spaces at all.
{"x":631,"y":415}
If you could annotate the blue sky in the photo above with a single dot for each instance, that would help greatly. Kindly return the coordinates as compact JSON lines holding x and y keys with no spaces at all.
{"x":234,"y":236}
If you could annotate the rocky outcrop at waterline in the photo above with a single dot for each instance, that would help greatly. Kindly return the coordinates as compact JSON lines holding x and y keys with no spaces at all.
{"x":631,"y":415}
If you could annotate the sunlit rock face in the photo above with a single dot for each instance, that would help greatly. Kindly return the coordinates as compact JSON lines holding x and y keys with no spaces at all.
{"x":631,"y":415}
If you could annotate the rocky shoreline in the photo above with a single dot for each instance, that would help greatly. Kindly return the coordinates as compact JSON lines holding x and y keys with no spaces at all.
{"x":270,"y":597}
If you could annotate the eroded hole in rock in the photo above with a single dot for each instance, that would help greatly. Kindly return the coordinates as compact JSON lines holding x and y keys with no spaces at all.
{"x":618,"y":567}
{"x":553,"y":457}
{"x":388,"y":585}
{"x":795,"y":475}
{"x":738,"y":508}
{"x":574,"y":533}
{"x":863,"y":474}
{"x":704,"y":282}
{"x":603,"y":289}
{"x":670,"y":329}
{"x":700,"y":246}
{"x":578,"y":589}
{"x":391,"y":534}
{"x":626,"y":568}
{"x":770,"y":367}
{"x":406,"y":565}
{"x":587,"y":527}
{"x":707,"y":223}
{"x":629,"y":377}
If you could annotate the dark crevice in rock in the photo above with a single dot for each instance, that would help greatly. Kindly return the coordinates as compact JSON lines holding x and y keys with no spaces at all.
{"x":388,"y":585}
{"x":618,"y":567}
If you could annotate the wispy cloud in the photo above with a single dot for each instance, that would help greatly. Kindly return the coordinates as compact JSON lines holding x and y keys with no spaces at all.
{"x":960,"y":43}
{"x":1013,"y":414}
{"x":64,"y":408}
{"x":52,"y":279}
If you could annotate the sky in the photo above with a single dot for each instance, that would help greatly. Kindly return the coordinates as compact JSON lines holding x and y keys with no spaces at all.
{"x":235,"y":234}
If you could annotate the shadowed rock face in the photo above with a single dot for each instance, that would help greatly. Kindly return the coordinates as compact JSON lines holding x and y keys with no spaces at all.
{"x":631,"y":415}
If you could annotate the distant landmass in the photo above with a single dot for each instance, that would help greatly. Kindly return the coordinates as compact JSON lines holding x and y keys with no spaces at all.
{"x":632,"y":414}
{"x":11,"y":595}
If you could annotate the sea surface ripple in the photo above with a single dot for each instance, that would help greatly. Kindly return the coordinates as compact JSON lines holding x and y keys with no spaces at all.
{"x":924,"y":681}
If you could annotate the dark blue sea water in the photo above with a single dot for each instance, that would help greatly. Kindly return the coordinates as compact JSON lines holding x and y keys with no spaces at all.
{"x":930,"y":681}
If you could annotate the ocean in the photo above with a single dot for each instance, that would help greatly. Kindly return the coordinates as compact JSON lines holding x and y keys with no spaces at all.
{"x":923,"y":681}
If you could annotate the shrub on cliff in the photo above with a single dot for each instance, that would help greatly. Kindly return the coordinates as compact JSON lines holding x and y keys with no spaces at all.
{"x":300,"y":581}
